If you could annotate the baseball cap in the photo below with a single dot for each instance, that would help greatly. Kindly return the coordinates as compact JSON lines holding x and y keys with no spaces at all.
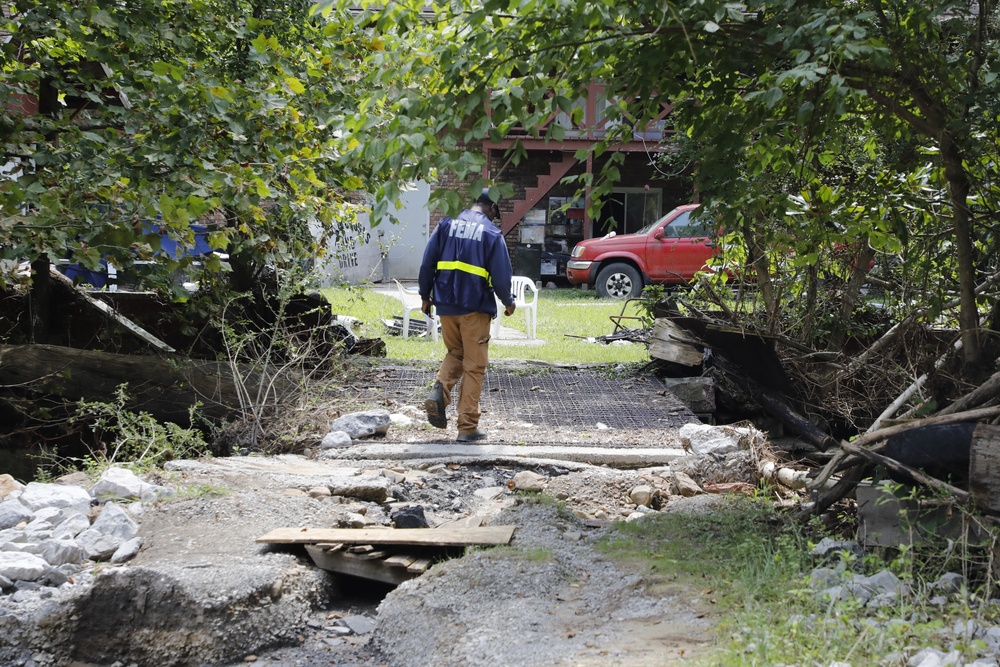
{"x":485,"y":198}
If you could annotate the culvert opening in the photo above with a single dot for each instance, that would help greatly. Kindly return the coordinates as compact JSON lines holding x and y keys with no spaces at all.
{"x":357,"y":590}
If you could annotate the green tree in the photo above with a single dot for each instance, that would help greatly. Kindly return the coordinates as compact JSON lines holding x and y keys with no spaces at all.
{"x":815,"y":120}
{"x":168,"y":112}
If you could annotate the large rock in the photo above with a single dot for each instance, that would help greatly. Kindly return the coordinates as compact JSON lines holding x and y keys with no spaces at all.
{"x":72,"y":525}
{"x":12,"y":512}
{"x":335,"y":439}
{"x":127,"y":550}
{"x":697,"y":393}
{"x":363,"y":424}
{"x":46,"y":518}
{"x":57,"y":552}
{"x":9,"y":485}
{"x":374,"y":489}
{"x":642,"y":495}
{"x":686,"y":486}
{"x":119,"y":483}
{"x":98,"y":546}
{"x":705,"y":439}
{"x":527,"y":480}
{"x":36,"y":496}
{"x":20,"y":566}
{"x":115,"y":521}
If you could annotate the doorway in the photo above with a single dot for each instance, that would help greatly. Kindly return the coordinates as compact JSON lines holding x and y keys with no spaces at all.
{"x":628,"y":210}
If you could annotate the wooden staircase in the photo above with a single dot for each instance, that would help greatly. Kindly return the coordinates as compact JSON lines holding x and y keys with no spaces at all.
{"x":532,"y":195}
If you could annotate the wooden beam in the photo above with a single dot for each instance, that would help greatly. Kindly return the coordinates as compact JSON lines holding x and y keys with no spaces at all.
{"x":419,"y":566}
{"x":111,"y":313}
{"x":442,"y":537}
{"x":669,"y":342}
{"x":356,"y":567}
{"x":399,"y":560}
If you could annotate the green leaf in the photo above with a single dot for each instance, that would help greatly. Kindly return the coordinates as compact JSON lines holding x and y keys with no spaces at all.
{"x":262,"y":190}
{"x":260,"y":44}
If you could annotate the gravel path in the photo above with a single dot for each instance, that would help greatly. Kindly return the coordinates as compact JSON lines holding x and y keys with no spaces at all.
{"x":203,"y":592}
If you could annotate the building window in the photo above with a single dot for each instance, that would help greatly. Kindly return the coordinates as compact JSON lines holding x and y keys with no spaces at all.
{"x":628,"y":210}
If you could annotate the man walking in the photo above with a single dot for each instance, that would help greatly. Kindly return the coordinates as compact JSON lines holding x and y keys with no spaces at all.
{"x":464,"y":265}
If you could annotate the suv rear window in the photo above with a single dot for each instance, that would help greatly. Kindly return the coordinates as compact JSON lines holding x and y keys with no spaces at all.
{"x":683,"y":227}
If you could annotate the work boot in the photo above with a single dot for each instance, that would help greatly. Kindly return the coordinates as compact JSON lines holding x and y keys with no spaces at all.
{"x":435,"y":407}
{"x":472,"y":437}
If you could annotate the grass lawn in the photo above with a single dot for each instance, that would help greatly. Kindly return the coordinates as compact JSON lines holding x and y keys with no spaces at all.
{"x":566,"y":317}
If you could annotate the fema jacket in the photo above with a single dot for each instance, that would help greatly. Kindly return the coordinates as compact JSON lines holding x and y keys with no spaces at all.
{"x":465,"y":263}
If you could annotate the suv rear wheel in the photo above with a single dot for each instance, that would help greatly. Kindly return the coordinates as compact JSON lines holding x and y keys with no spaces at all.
{"x":619,"y":281}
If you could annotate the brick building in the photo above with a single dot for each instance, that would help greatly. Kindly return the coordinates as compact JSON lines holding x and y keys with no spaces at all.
{"x":537,"y":216}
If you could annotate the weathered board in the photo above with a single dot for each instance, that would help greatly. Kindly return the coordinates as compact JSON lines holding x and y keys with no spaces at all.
{"x":984,"y":468}
{"x":441,"y":537}
{"x":671,"y":343}
{"x":376,"y":570}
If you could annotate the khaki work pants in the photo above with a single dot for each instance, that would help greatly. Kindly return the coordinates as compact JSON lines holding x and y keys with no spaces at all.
{"x":466,"y":338}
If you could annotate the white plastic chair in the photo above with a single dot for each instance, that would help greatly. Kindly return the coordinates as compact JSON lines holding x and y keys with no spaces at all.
{"x":410,"y":296}
{"x":519,"y":288}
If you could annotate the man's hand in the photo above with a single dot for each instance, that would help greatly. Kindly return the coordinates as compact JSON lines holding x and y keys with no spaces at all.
{"x":509,"y":310}
{"x":425,"y":306}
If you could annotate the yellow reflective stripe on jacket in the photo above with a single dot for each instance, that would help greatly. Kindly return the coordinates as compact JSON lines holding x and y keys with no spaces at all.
{"x":467,"y":268}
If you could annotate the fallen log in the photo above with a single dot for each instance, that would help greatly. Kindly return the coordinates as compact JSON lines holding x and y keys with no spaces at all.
{"x":984,"y":465}
{"x":164,"y":387}
{"x":780,"y":410}
{"x":960,"y":495}
{"x":987,"y":391}
{"x":840,"y":460}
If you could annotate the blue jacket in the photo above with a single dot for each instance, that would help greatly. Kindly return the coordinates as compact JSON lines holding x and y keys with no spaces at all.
{"x":465,"y":263}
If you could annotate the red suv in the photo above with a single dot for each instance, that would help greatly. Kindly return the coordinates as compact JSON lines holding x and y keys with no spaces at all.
{"x":669,"y":251}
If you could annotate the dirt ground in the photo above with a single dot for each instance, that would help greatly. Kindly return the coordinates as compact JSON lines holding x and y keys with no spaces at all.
{"x":551,"y":597}
{"x":203,"y":590}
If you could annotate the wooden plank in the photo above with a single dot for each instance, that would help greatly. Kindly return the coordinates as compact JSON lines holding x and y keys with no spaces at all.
{"x":330,"y":546}
{"x":356,"y":567}
{"x":360,"y":549}
{"x":984,"y":468}
{"x":112,"y":313}
{"x":419,"y":566}
{"x":399,"y":560}
{"x":367,"y":555}
{"x":671,"y":343}
{"x":443,"y":537}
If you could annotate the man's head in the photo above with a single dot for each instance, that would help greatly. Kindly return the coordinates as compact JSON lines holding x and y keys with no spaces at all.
{"x":487,"y":206}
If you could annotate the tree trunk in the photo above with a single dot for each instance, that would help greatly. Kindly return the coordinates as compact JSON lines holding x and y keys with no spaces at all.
{"x":762,"y":268}
{"x":39,"y":317}
{"x":958,"y":190}
{"x":859,"y":271}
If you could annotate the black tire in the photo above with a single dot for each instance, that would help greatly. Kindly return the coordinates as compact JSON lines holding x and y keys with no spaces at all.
{"x":619,"y":281}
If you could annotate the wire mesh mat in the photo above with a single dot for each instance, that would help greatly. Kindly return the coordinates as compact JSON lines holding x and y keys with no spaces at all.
{"x":555,"y":398}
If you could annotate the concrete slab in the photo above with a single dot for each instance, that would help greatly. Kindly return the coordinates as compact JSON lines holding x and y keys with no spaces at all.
{"x":610,"y":456}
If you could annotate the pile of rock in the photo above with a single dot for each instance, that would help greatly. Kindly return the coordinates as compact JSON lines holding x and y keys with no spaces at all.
{"x":354,"y":426}
{"x":49,"y":532}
